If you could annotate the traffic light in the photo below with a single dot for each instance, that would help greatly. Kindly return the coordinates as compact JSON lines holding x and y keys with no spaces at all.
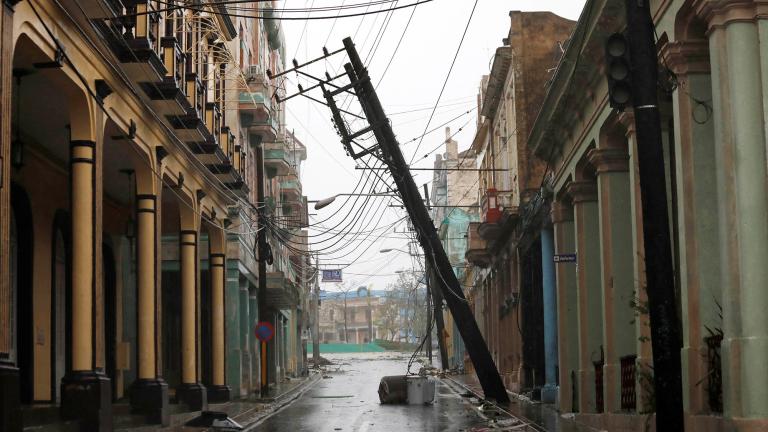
{"x":618,"y":71}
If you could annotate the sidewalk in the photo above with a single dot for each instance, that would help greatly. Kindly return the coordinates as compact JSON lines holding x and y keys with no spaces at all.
{"x":543,"y":417}
{"x":246,"y":412}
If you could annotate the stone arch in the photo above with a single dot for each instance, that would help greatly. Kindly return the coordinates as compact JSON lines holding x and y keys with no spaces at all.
{"x":688,"y":24}
{"x":584,"y":171}
{"x":613,"y":134}
{"x":30,"y":48}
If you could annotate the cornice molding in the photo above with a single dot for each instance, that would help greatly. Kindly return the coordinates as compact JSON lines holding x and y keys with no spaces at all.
{"x":609,"y":160}
{"x":687,"y":57}
{"x":582,"y":191}
{"x":560,"y":212}
{"x":720,"y":13}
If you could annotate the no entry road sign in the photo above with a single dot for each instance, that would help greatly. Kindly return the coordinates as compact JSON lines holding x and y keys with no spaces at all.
{"x":264,"y":331}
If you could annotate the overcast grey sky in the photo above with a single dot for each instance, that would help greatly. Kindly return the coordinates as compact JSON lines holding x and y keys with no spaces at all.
{"x":412,"y":83}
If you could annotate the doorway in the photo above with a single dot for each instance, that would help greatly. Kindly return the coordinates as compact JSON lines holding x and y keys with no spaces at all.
{"x":110,"y":316}
{"x":60,"y":301}
{"x":21,"y":279}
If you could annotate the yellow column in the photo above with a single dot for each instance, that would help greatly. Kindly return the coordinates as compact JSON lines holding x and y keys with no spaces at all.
{"x":190,"y":392}
{"x":188,"y":259}
{"x":86,"y":393}
{"x":146,"y":272}
{"x":82,"y":161}
{"x":149,"y":393}
{"x":217,"y":307}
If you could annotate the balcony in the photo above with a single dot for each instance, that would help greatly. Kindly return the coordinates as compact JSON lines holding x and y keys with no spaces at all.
{"x":291,"y":187}
{"x":281,"y":292}
{"x":477,"y":249}
{"x":229,"y":164}
{"x":489,"y":205}
{"x":294,"y":212}
{"x":189,"y":127}
{"x":276,"y":159}
{"x":167,"y":97}
{"x":267,"y":128}
{"x":255,"y":104}
{"x":136,"y":41}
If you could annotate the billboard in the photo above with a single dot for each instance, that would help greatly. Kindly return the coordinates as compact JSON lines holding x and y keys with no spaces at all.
{"x":332,"y":275}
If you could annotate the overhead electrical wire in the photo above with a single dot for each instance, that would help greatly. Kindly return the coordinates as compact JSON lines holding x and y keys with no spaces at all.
{"x":265,"y":17}
{"x":349,"y":226}
{"x":436,"y":128}
{"x":447,"y":77}
{"x":397,"y":47}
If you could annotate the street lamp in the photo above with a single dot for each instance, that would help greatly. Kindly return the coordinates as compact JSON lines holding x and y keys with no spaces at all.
{"x":387,"y":250}
{"x":327,"y":201}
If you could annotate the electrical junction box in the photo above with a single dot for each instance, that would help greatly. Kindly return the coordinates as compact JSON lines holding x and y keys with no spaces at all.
{"x":421,"y":390}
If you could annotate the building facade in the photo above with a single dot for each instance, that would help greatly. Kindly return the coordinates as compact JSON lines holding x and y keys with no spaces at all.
{"x":714,"y":131}
{"x":128,"y":211}
{"x":506,"y":289}
{"x":576,"y":230}
{"x":352,"y":317}
{"x":454,"y":197}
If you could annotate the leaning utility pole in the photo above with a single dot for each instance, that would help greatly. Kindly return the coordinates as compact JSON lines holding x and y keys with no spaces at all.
{"x":387,"y":149}
{"x":665,"y":332}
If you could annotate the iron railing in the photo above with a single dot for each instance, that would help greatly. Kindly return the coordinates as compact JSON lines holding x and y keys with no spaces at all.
{"x":628,"y":383}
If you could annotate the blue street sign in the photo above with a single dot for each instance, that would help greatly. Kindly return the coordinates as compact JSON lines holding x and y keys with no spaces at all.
{"x":332,"y":276}
{"x":564,"y":258}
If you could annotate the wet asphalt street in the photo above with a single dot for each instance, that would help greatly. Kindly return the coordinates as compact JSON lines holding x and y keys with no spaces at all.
{"x":347,"y":401}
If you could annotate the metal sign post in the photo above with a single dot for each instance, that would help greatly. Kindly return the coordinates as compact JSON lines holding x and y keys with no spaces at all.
{"x":264,"y":333}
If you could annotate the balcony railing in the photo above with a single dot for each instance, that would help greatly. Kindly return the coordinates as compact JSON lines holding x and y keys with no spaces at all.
{"x":213,"y":118}
{"x":268,"y":127}
{"x":275,"y":159}
{"x":174,"y":60}
{"x":477,"y":249}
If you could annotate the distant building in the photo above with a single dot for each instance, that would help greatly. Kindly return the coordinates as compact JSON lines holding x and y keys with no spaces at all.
{"x":455,"y":197}
{"x":363,"y":312}
{"x":505,"y":289}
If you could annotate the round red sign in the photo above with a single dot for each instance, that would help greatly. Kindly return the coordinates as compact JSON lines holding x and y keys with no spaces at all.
{"x":264,"y":331}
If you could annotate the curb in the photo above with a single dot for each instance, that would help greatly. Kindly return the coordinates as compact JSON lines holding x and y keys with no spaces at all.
{"x":530,"y":423}
{"x":281,"y":401}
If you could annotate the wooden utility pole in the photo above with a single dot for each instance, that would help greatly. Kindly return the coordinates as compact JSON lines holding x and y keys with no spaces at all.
{"x":389,"y":150}
{"x":428,"y":336}
{"x":263,"y":247}
{"x":665,"y":330}
{"x":437,"y":300}
{"x":316,"y":319}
